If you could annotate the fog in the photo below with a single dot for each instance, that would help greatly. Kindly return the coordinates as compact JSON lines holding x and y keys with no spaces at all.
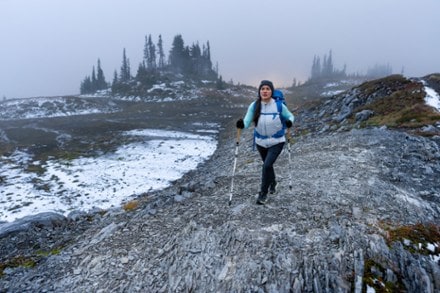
{"x":48,"y":46}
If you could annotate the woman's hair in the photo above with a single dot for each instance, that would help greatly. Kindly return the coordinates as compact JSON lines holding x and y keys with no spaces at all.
{"x":257,"y":108}
{"x":257,"y":111}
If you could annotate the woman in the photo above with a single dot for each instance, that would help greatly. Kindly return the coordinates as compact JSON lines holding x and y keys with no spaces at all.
{"x":269,"y":117}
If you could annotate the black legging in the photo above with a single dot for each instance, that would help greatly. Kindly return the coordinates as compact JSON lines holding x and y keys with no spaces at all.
{"x":269,"y":156}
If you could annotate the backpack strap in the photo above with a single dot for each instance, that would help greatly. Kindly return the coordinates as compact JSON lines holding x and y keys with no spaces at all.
{"x":280,"y":111}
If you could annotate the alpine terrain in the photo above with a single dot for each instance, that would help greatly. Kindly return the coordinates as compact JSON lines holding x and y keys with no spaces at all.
{"x":357,"y":206}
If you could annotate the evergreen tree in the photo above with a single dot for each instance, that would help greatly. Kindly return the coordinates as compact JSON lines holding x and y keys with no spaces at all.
{"x":161,"y":64}
{"x":115,"y":78}
{"x":327,"y":66}
{"x":146,"y":51}
{"x":93,"y":83}
{"x":220,"y":84}
{"x":141,"y":72}
{"x":115,"y":83}
{"x":207,"y":52}
{"x":178,"y":54}
{"x":294,"y":82}
{"x":151,"y":62}
{"x":316,"y":67}
{"x":86,"y":86}
{"x":186,"y":60}
{"x":216,"y":69}
{"x":125,"y":74}
{"x":330,"y":67}
{"x":208,"y":71}
{"x":196,"y":60}
{"x":100,"y":80}
{"x":149,"y":54}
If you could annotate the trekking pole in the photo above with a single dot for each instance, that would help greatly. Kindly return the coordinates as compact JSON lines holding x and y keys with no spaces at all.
{"x":235,"y":164}
{"x":288,"y":151}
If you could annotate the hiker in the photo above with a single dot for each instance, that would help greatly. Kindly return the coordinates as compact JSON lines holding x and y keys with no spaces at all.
{"x":270,"y":118}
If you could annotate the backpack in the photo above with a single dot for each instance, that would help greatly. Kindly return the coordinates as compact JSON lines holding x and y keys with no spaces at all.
{"x":278,"y":96}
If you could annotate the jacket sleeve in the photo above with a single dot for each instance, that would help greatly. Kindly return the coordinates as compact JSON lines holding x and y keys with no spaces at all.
{"x":249,"y":115}
{"x":287,"y":114}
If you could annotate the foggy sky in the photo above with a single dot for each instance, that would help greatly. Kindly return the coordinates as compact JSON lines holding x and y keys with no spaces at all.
{"x":48,"y":46}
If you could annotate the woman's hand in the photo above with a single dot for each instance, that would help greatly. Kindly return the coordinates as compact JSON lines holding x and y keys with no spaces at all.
{"x":240,"y":123}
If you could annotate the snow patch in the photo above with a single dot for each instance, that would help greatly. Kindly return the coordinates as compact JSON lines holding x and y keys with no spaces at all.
{"x":432,"y":98}
{"x":156,"y":159}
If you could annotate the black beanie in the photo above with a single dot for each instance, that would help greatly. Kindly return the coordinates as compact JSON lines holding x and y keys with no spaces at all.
{"x":266,"y":82}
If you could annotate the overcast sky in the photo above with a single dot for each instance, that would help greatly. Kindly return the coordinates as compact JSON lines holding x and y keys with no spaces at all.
{"x":47,"y":47}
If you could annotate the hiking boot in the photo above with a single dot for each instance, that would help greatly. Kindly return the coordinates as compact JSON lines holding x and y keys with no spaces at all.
{"x":262,"y":198}
{"x":273,"y":187}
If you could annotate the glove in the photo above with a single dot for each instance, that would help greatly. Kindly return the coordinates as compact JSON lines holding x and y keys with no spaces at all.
{"x":288,"y":123}
{"x":240,"y":123}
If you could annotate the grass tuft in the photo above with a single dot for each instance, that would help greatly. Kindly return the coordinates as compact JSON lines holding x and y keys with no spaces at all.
{"x":18,"y":261}
{"x":416,"y":238}
{"x":131,"y":206}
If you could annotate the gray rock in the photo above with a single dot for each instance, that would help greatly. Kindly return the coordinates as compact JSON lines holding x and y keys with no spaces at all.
{"x":363,"y":115}
{"x":42,"y":221}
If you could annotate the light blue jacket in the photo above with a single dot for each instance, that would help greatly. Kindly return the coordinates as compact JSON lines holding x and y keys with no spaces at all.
{"x":269,"y":123}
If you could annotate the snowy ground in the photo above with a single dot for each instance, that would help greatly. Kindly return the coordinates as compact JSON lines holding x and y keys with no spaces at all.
{"x":152,"y":162}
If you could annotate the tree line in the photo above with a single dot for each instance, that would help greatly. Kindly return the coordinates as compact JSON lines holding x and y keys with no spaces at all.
{"x":325,"y":70}
{"x":94,"y":82}
{"x":190,"y":61}
{"x":195,"y":62}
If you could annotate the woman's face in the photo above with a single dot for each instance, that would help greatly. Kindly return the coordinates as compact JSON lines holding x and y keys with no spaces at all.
{"x":265,"y":93}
